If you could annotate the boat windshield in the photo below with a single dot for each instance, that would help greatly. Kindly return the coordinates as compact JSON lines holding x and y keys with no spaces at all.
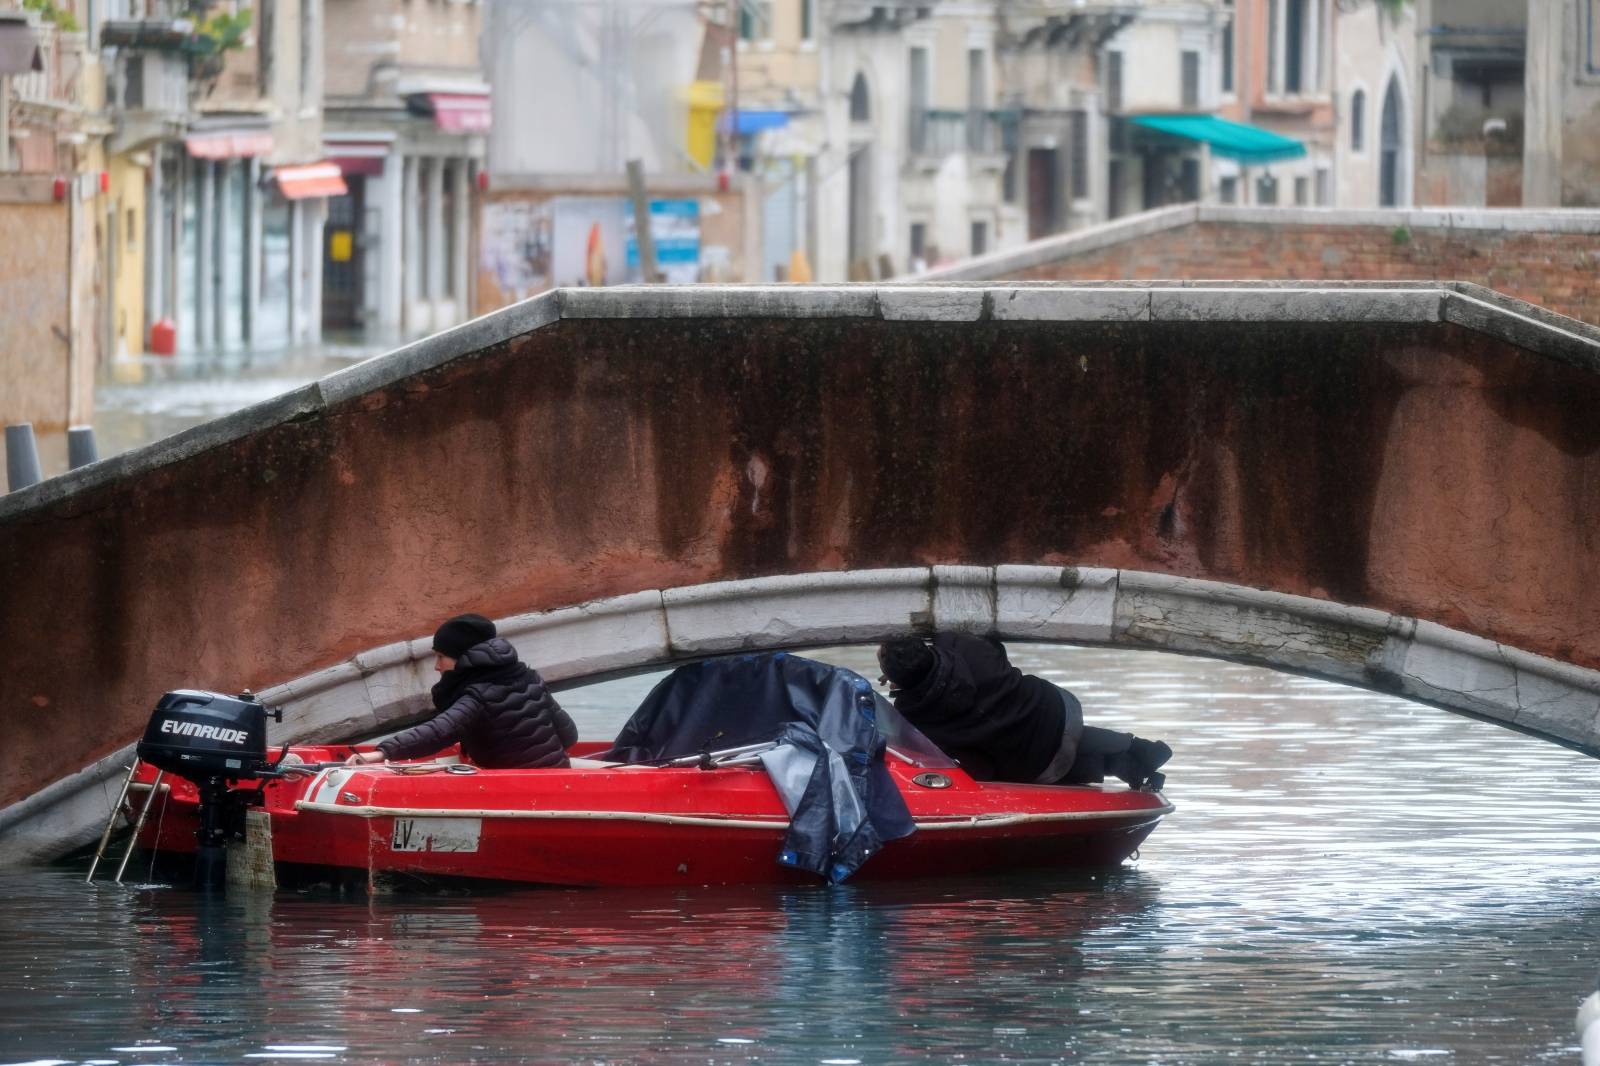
{"x":907,"y":741}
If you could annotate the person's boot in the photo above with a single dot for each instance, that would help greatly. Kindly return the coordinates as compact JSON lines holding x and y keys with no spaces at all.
{"x":1152,"y":755}
{"x":1138,"y":765}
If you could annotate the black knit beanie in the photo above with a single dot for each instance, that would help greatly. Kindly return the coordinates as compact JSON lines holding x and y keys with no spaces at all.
{"x":905,"y":661}
{"x":460,"y":633}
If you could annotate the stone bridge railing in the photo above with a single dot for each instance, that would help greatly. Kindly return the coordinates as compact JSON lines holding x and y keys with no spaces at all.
{"x":382,"y":689}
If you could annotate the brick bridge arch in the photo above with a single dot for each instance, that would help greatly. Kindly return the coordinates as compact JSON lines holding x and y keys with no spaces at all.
{"x":1391,"y":485}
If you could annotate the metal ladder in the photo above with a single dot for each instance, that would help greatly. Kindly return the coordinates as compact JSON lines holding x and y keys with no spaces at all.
{"x":138,"y":825}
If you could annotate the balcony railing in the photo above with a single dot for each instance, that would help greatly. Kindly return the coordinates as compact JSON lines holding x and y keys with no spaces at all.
{"x":57,"y":84}
{"x":935,"y":134}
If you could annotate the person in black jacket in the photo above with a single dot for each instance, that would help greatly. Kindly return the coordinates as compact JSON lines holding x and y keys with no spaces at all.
{"x":489,"y":701}
{"x":1001,"y":724}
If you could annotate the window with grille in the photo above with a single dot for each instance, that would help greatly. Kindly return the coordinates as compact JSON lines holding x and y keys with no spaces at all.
{"x":1227,"y":57}
{"x":1191,"y":80}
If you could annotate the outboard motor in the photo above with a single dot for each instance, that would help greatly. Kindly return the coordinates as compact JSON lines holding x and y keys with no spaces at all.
{"x":214,"y":741}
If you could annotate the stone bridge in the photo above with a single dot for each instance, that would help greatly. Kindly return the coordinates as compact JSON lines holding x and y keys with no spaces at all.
{"x":1388,"y":485}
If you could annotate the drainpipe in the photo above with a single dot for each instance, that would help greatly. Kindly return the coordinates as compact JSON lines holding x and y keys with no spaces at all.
{"x":72,"y":296}
{"x":5,"y":122}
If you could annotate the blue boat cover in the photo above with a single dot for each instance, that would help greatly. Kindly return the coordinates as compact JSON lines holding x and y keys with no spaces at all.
{"x":828,"y":765}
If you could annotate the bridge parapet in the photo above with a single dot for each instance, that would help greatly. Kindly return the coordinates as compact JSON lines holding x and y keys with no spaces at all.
{"x":1537,"y":254}
{"x":1419,"y":451}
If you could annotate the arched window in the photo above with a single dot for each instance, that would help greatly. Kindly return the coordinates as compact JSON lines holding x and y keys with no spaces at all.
{"x":1389,"y":176}
{"x":1358,"y":121}
{"x":860,"y":102}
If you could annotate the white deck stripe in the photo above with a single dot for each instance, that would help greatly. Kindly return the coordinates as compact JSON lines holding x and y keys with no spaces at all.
{"x":972,"y":822}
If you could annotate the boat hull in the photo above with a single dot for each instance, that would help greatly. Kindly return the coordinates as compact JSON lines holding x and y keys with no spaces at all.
{"x":642,"y":826}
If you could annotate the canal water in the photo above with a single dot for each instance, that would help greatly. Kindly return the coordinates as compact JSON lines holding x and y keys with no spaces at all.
{"x":1347,"y":879}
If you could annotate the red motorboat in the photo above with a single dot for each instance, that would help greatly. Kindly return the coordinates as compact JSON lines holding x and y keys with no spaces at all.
{"x":627,"y":824}
{"x":815,"y":775}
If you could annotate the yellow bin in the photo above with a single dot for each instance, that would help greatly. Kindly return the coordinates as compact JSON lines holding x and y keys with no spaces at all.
{"x":705,"y":104}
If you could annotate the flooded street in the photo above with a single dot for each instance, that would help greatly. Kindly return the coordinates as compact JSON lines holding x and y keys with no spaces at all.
{"x":157,"y":397}
{"x":1348,"y":878}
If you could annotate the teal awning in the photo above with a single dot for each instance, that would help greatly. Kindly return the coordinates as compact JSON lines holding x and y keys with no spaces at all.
{"x":1233,"y":140}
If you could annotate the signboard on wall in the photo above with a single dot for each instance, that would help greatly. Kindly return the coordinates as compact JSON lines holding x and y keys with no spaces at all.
{"x":675,"y":225}
{"x":517,"y":247}
{"x":529,"y":246}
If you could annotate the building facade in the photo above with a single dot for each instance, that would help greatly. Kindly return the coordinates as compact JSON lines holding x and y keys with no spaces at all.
{"x":1054,"y":82}
{"x":54,"y":217}
{"x":1167,"y":63}
{"x":916,"y":147}
{"x":406,"y":121}
{"x":1561,"y":157}
{"x":1282,"y":78}
{"x":1375,"y":101}
{"x":1471,"y":125}
{"x":772,"y":128}
{"x":216,"y":160}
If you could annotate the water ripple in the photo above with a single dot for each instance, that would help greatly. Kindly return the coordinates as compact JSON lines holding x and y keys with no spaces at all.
{"x":1349,"y":878}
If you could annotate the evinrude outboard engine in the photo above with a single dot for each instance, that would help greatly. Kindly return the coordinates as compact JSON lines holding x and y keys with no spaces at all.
{"x":214,"y":741}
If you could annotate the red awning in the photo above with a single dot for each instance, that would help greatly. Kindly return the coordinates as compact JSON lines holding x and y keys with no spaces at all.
{"x":460,"y":112}
{"x":310,"y":180}
{"x":358,"y":166}
{"x":234,"y":145}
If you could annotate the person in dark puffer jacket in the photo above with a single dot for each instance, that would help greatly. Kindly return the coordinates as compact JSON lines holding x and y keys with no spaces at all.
{"x":1001,"y":724}
{"x":492,"y":703}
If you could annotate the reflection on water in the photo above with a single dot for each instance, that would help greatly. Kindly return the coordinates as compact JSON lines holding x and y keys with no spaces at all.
{"x":1348,"y":878}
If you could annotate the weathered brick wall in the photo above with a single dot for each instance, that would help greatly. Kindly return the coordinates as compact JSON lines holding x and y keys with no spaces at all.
{"x":1560,"y":271}
{"x":35,"y":323}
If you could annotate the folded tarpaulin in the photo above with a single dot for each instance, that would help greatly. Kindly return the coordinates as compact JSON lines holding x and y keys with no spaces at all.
{"x":829,"y":769}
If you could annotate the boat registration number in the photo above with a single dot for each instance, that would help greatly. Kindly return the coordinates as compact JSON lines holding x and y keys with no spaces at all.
{"x":436,"y":834}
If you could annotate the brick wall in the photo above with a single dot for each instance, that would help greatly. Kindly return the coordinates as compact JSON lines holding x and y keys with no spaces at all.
{"x":1560,"y":271}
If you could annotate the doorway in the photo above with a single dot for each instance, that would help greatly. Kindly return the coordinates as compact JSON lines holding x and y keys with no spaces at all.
{"x":1044,"y":192}
{"x":342,"y":257}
